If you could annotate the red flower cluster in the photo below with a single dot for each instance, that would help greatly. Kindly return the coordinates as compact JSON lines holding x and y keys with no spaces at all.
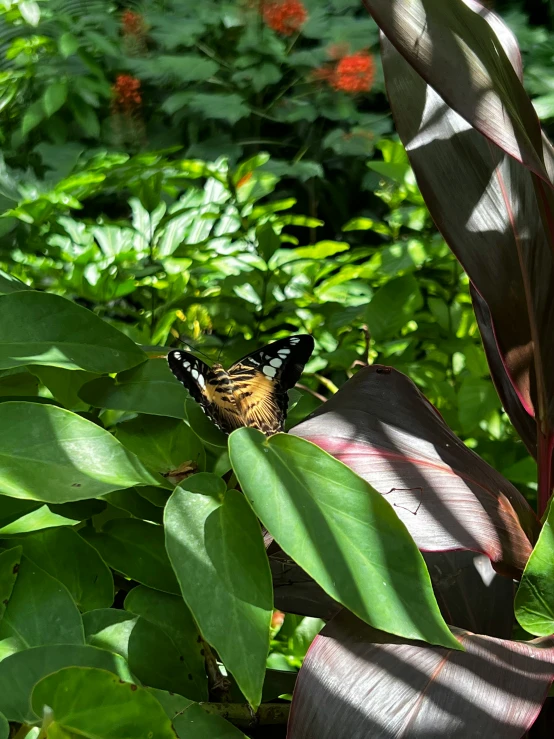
{"x":354,"y":73}
{"x":126,"y":92}
{"x":284,"y":16}
{"x":133,"y":23}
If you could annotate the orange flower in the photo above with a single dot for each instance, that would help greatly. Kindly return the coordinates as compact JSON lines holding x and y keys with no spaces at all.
{"x":133,"y":23}
{"x":126,"y":92}
{"x":284,"y":16}
{"x":354,"y":73}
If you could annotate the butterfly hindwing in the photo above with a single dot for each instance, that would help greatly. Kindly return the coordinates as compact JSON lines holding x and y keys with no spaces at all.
{"x":254,"y":391}
{"x":261,"y":381}
{"x":207,"y":389}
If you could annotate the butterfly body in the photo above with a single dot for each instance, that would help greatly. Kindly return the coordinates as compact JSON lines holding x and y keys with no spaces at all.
{"x":253,"y":392}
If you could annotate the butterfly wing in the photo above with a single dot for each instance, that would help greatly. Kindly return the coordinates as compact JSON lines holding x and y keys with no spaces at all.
{"x":261,"y":380}
{"x":207,"y":388}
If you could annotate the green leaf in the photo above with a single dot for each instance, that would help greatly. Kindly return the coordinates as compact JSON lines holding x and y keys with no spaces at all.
{"x":133,"y":502}
{"x":30,"y":11}
{"x":136,"y":549}
{"x":54,"y":97}
{"x":22,"y":516}
{"x":53,"y":455}
{"x":162,"y":443}
{"x":64,"y":384}
{"x":476,"y":400}
{"x":203,"y":427}
{"x":534,"y":603}
{"x":4,"y":727}
{"x":219,"y":106}
{"x":20,"y":672}
{"x":95,"y":704}
{"x":68,"y":44}
{"x":172,"y":615}
{"x":62,"y":553}
{"x":392,"y":306}
{"x":18,"y":383}
{"x":32,"y":117}
{"x":152,"y":655}
{"x":10,"y":284}
{"x":216,"y":548}
{"x":268,"y":241}
{"x":341,"y":531}
{"x":149,"y":388}
{"x":196,"y":722}
{"x":42,"y":328}
{"x":40,"y":611}
{"x":170,"y":702}
{"x":10,"y":561}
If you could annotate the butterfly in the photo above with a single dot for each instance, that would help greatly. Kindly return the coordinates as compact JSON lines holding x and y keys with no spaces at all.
{"x":253,"y":392}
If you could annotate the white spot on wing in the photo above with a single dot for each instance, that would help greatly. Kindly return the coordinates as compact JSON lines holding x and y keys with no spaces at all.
{"x":201,"y":381}
{"x":194,"y":374}
{"x":283,"y":352}
{"x":269,"y":371}
{"x":295,"y":340}
{"x":276,"y":362}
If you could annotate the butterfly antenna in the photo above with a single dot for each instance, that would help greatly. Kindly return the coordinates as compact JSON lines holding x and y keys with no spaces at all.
{"x":194,"y":348}
{"x":222,"y":347}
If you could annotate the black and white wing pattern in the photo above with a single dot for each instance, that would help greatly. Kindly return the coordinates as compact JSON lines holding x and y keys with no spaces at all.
{"x":261,"y":380}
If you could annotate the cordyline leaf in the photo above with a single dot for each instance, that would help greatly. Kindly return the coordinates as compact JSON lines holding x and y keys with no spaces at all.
{"x":357,"y":682}
{"x":381,"y":426}
{"x":484,"y":169}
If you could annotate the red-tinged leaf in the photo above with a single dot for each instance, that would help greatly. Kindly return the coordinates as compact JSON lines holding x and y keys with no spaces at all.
{"x":445,"y":40}
{"x":381,"y":426}
{"x":360,"y":682}
{"x":522,"y":421}
{"x":493,"y":203}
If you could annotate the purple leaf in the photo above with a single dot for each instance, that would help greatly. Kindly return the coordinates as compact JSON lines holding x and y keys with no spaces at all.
{"x":358,"y":682}
{"x":381,"y":426}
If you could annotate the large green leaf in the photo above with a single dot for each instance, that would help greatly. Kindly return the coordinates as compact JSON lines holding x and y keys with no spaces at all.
{"x":95,"y":704}
{"x":217,"y":551}
{"x":70,"y":559}
{"x":152,"y":655}
{"x":20,"y":672}
{"x":534,"y":604}
{"x":148,"y":388}
{"x":10,"y":284}
{"x":64,"y":384}
{"x":21,"y":516}
{"x":40,"y":611}
{"x":136,"y":549}
{"x":42,"y":328}
{"x":196,"y":722}
{"x":161,"y":443}
{"x":53,"y":455}
{"x":341,"y":531}
{"x":172,"y":614}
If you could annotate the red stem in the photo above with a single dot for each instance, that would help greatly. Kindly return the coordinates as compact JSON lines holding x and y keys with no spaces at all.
{"x":545,"y":445}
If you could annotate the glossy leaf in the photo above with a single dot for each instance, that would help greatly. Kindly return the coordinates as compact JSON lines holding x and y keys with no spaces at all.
{"x":56,"y":456}
{"x":534,"y":604}
{"x":22,"y":516}
{"x":29,"y":622}
{"x":195,"y":721}
{"x":149,"y":388}
{"x":357,"y":681}
{"x":43,"y":328}
{"x":136,"y":549}
{"x":340,"y":531}
{"x":96,"y":704}
{"x":493,"y":204}
{"x":152,"y":656}
{"x":216,"y":549}
{"x":162,"y":443}
{"x":20,"y":672}
{"x":381,"y":426}
{"x":172,"y":614}
{"x":62,"y":553}
{"x":133,"y":502}
{"x":64,"y":384}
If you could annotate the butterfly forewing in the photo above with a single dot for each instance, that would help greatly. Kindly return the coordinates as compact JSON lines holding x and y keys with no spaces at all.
{"x":261,"y":381}
{"x":254,"y":391}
